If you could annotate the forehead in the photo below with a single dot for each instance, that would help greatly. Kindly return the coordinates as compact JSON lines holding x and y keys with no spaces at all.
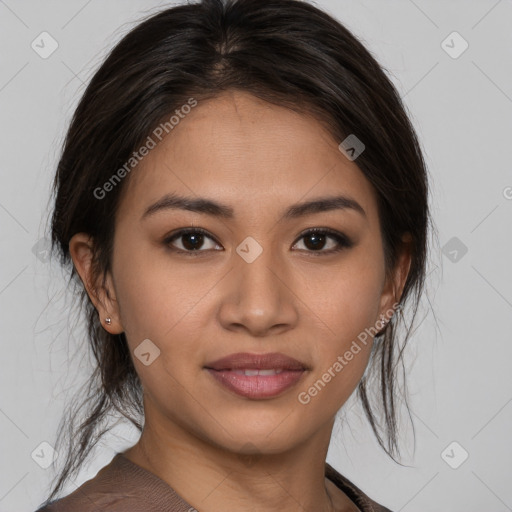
{"x":236,"y":147}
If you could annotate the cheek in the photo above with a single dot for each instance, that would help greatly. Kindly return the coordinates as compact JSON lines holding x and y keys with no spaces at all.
{"x":348,"y":299}
{"x":342,"y":352}
{"x":346,"y":306}
{"x":152,"y":295}
{"x":166,"y":306}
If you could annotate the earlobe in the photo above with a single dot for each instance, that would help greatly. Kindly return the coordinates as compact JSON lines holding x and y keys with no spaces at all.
{"x":81,"y":249}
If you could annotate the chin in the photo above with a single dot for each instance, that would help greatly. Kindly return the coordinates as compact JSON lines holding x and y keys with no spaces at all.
{"x":255,"y":432}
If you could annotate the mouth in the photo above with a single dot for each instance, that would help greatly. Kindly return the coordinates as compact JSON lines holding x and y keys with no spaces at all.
{"x":257,"y":376}
{"x":246,"y":361}
{"x":252,"y":373}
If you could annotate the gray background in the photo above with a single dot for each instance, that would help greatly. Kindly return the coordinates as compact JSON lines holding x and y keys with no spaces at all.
{"x":460,"y":354}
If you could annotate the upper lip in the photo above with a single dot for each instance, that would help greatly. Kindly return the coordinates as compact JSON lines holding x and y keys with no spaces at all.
{"x":244,"y":360}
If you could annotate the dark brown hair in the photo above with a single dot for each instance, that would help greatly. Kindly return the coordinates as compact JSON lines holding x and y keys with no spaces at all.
{"x":287,"y":52}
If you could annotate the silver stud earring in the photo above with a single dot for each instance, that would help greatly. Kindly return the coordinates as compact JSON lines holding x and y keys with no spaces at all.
{"x":108,"y":321}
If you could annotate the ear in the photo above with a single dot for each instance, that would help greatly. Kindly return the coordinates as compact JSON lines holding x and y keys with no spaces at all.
{"x":81,"y":248}
{"x":395,"y":282}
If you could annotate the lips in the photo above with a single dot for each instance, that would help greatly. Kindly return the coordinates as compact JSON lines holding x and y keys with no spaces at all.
{"x":246,"y":361}
{"x":257,"y":376}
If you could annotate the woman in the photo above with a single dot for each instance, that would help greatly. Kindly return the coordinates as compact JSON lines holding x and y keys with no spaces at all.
{"x":243,"y":200}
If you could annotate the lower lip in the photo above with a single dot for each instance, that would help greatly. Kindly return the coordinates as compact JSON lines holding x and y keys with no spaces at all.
{"x":257,"y":386}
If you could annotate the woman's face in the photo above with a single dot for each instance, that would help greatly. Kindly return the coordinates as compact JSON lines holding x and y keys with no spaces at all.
{"x":256,"y":282}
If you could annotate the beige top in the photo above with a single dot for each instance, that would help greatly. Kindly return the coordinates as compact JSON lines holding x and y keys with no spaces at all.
{"x":123,"y":486}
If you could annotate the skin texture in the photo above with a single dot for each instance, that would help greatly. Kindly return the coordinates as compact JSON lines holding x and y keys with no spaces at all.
{"x":307,"y":303}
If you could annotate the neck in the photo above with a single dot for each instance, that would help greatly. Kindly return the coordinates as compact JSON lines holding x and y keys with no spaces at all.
{"x":213,"y":479}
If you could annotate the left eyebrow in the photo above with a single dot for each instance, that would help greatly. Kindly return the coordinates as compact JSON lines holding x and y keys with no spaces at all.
{"x":323,"y":204}
{"x":215,"y":209}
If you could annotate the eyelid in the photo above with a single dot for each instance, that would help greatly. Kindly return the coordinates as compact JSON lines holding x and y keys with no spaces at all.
{"x":185,"y":231}
{"x":343,"y":241}
{"x":328,"y":231}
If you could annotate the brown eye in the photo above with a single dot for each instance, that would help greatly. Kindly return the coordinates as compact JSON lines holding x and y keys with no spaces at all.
{"x":197,"y":240}
{"x":192,"y":240}
{"x":317,"y":240}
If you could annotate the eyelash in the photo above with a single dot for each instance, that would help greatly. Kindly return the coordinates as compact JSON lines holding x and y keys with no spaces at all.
{"x":342,"y":240}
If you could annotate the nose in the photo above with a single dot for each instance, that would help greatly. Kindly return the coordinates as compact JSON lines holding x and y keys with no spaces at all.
{"x":258,"y":297}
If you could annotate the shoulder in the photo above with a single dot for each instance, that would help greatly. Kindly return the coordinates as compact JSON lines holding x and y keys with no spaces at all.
{"x":114,"y":502}
{"x":364,"y":503}
{"x":120,"y":486}
{"x":103,"y":492}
